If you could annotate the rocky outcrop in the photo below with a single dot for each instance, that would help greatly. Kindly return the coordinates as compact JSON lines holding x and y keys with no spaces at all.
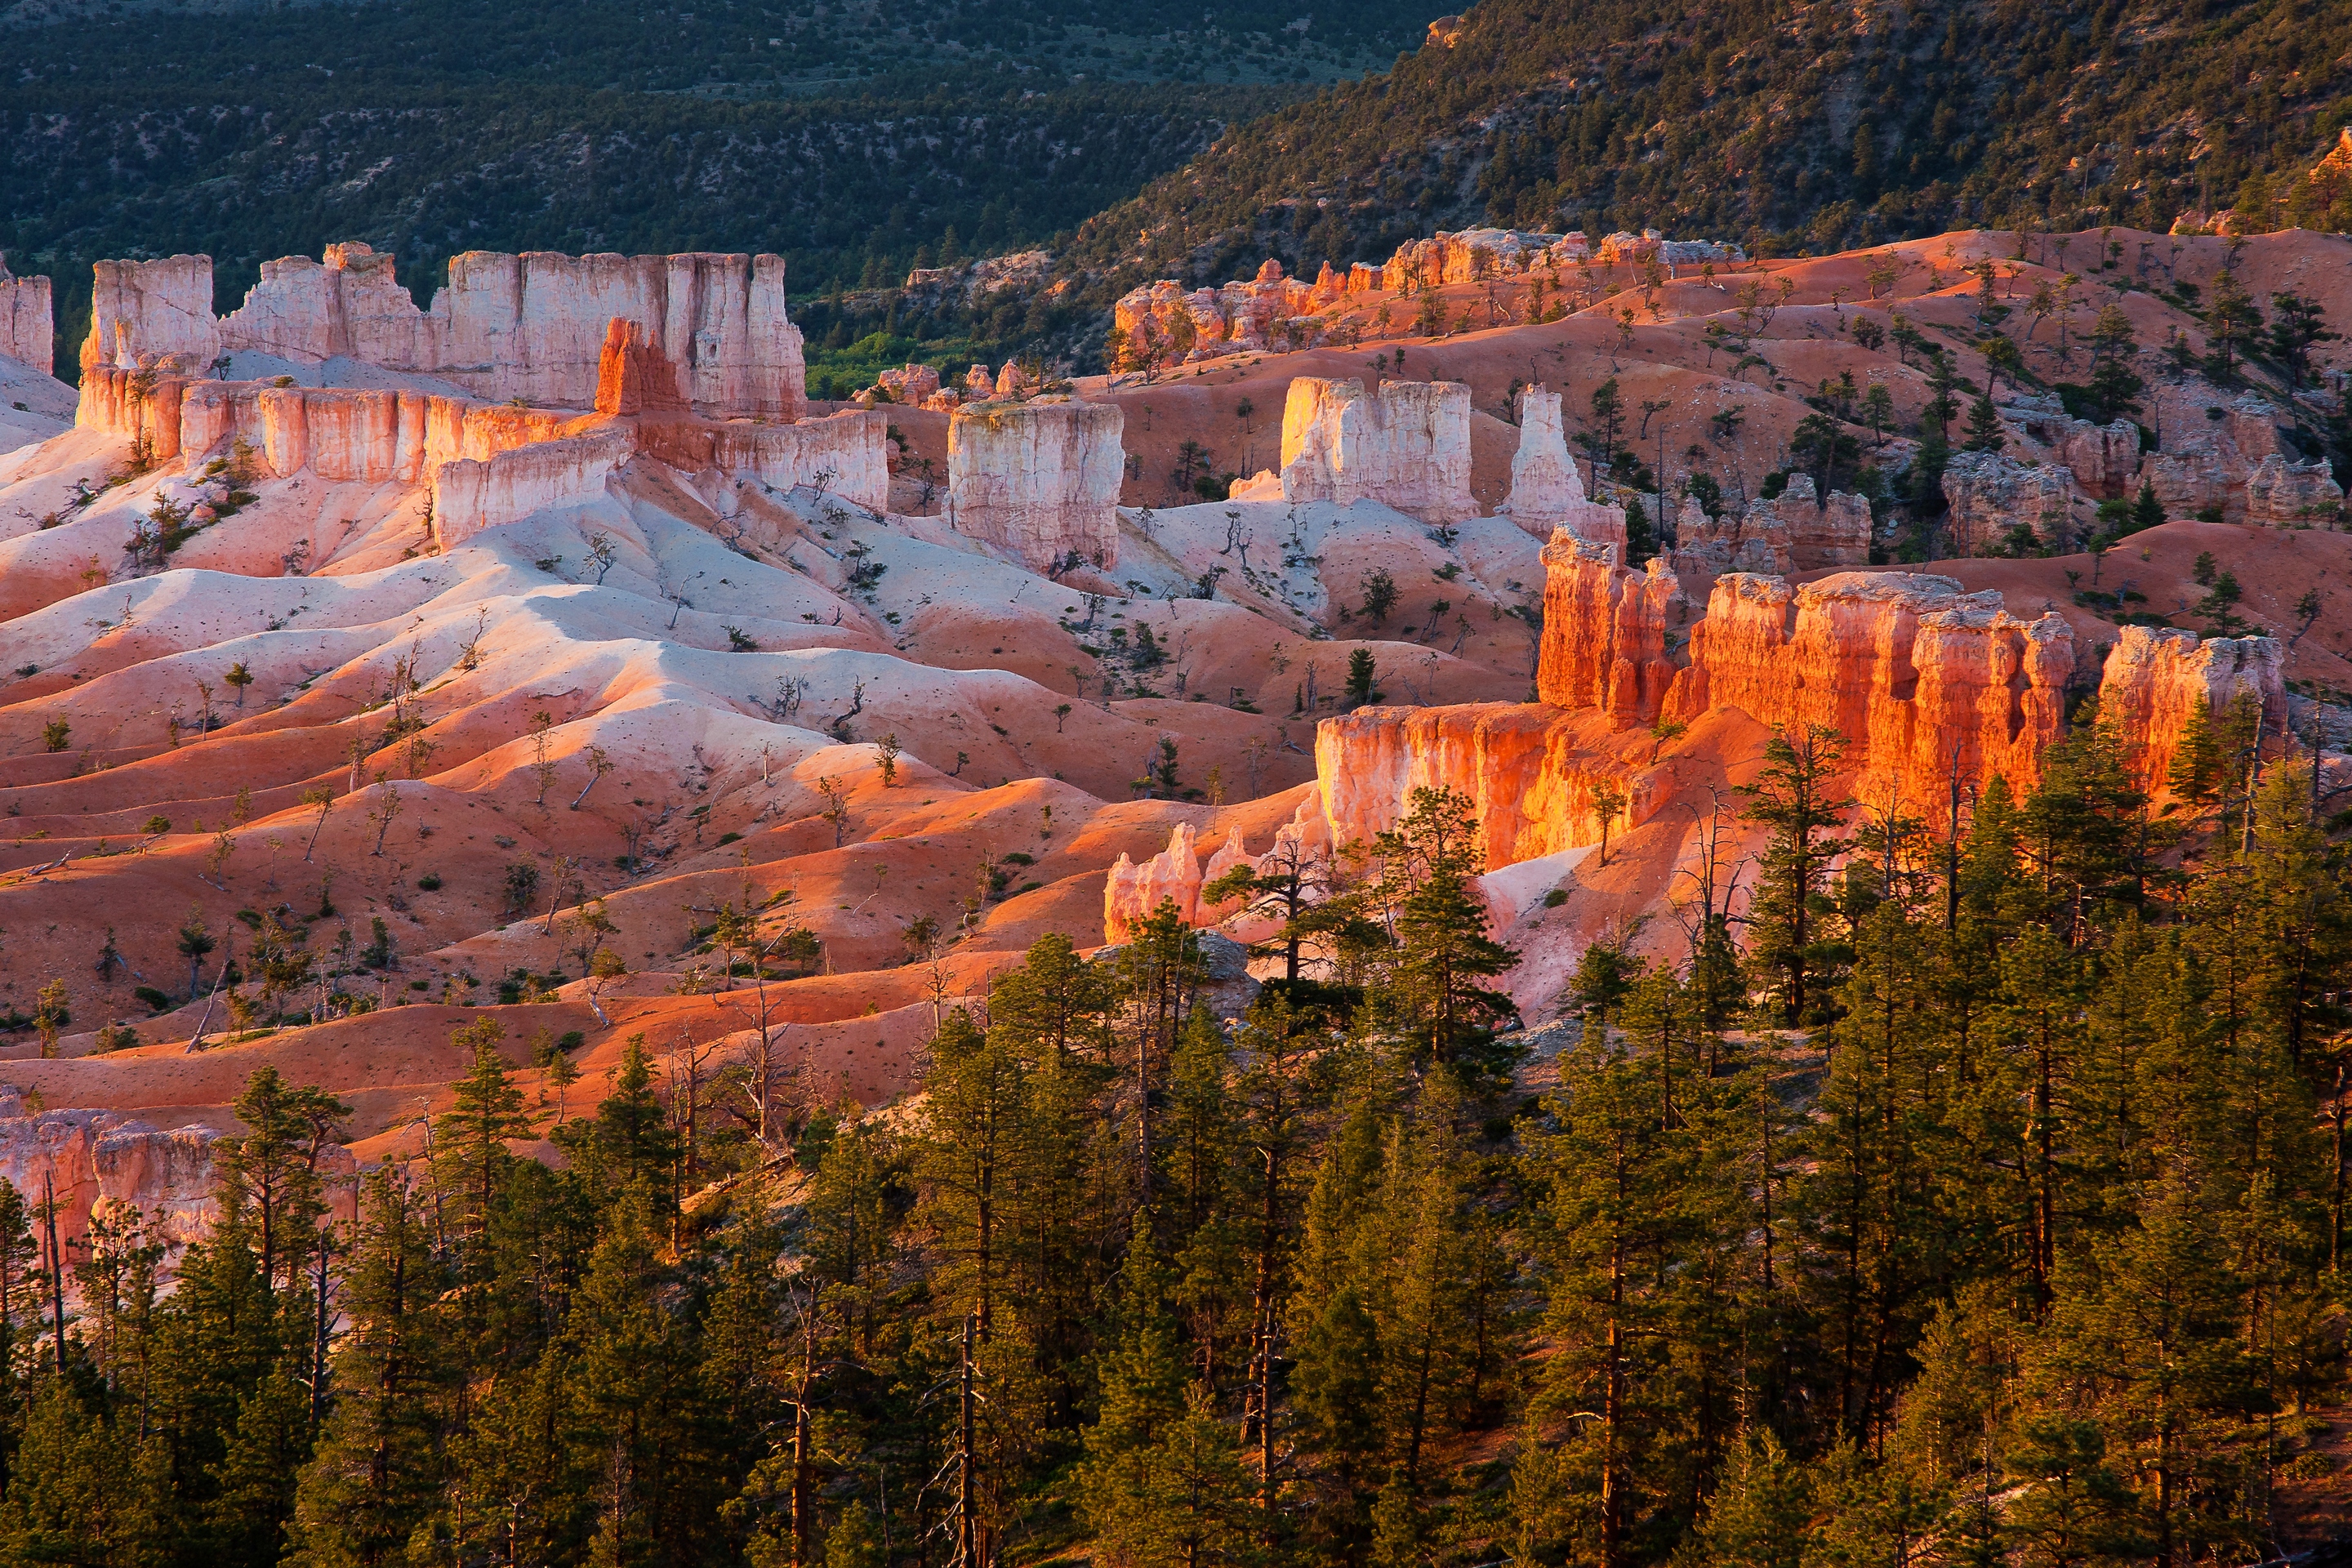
{"x":2104,"y":458}
{"x":407,"y":438}
{"x":471,"y":495}
{"x":2210,"y":456}
{"x":1810,"y":532}
{"x":1039,"y":479}
{"x":967,"y":283}
{"x":1989,"y":493}
{"x":1605,"y":633}
{"x":337,"y":433}
{"x":2280,"y":493}
{"x":1475,"y":254}
{"x":2157,"y":678}
{"x":1406,"y":446}
{"x":151,"y":312}
{"x":1532,"y":772}
{"x":843,"y":453}
{"x":1164,"y":321}
{"x":113,"y":1170}
{"x":1918,"y":677}
{"x":1547,"y":492}
{"x":911,"y":385}
{"x":1133,"y":892}
{"x":531,"y":326}
{"x":630,"y":377}
{"x":28,"y":334}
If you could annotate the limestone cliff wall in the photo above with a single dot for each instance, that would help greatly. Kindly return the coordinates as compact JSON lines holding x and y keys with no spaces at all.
{"x":1605,"y":633}
{"x":1406,"y":445}
{"x":28,"y":329}
{"x":1547,"y":491}
{"x":102,"y":1166}
{"x":2156,"y":677}
{"x":470,"y":495}
{"x":143,"y":311}
{"x":531,"y":326}
{"x":1989,"y":493}
{"x":1916,"y":675}
{"x":1039,"y":478}
{"x":1531,"y":772}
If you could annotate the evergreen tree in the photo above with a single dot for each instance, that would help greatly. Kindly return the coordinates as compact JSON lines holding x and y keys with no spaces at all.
{"x":1792,"y":798}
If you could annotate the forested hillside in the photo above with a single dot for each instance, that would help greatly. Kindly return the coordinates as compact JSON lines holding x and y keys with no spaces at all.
{"x":848,"y":139}
{"x":1991,"y":1210}
{"x":1785,"y":126}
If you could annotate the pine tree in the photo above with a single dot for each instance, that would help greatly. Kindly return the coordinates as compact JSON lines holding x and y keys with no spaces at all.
{"x":1792,"y":798}
{"x":380,"y":1460}
{"x":471,"y":1156}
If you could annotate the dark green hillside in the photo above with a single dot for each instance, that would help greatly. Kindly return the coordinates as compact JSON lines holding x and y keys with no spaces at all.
{"x":1786,"y":126}
{"x":848,"y":138}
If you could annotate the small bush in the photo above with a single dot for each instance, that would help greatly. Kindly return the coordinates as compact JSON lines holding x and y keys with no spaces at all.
{"x":428,"y":883}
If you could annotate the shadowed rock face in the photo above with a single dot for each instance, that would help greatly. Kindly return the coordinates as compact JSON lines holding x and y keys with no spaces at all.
{"x":25,"y":331}
{"x":532,"y":326}
{"x":108,"y":1171}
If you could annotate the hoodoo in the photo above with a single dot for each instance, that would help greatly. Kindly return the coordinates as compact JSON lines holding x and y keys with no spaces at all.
{"x":532,"y":326}
{"x":1039,"y":478}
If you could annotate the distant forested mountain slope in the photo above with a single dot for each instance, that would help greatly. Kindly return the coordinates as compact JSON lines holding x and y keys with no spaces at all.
{"x":849,"y":137}
{"x":1788,"y":126}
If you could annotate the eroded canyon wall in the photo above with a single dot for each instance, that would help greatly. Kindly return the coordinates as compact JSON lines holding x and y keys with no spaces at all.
{"x":1039,"y":479}
{"x":1405,"y":445}
{"x":28,"y":334}
{"x":531,"y":326}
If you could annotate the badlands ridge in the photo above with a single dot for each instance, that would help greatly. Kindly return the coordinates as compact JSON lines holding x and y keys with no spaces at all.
{"x":367,"y":664}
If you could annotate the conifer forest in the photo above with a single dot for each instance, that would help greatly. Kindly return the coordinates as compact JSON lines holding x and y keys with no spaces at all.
{"x":1983,"y":1202}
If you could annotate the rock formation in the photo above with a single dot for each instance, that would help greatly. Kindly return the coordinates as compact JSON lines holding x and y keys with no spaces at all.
{"x":630,"y":377}
{"x":1246,"y":316}
{"x":2156,"y":677}
{"x":1605,"y":633}
{"x":1991,"y":493}
{"x":1039,"y":479}
{"x":1814,"y":533}
{"x":1547,"y":492}
{"x":1133,"y":892}
{"x":483,"y":464}
{"x":102,"y":1166}
{"x":1915,"y":675}
{"x":911,"y":385}
{"x":470,"y":495}
{"x":148,"y":312}
{"x":531,"y":326}
{"x":2209,"y":454}
{"x":1532,"y":772}
{"x":2281,"y":492}
{"x":26,"y":332}
{"x":1920,"y":680}
{"x":1406,"y":446}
